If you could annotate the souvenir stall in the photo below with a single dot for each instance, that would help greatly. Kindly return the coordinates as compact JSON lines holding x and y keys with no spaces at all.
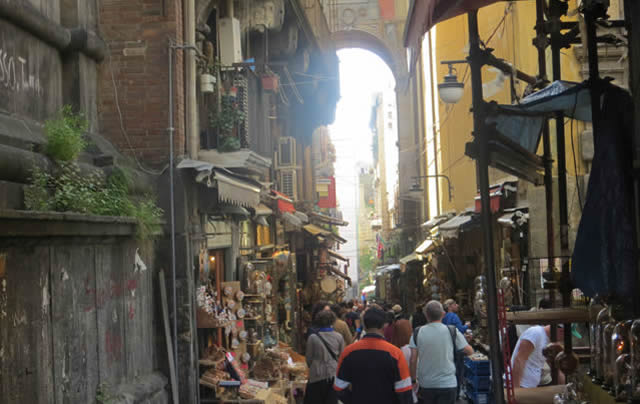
{"x":244,"y":325}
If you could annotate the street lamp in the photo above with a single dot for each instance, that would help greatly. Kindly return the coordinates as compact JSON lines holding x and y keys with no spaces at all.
{"x":415,"y":188}
{"x":451,"y":90}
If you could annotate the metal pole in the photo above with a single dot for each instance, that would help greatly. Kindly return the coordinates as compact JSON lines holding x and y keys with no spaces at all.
{"x":483,"y":183}
{"x":546,"y":138}
{"x":632,"y":14}
{"x":172,"y":211}
{"x":562,"y":178}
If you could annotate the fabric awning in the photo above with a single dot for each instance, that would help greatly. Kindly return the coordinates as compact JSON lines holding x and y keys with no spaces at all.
{"x":261,"y":220}
{"x":387,"y":268}
{"x":327,"y":219}
{"x":235,"y":191}
{"x":302,"y":216}
{"x":232,"y":188}
{"x":335,"y":254}
{"x":291,"y":219}
{"x":453,"y":227}
{"x":426,"y":246}
{"x":263,"y":210}
{"x":433,"y":222}
{"x":523,"y":123}
{"x":321,"y":233}
{"x":283,"y":202}
{"x":316,"y":230}
{"x":410,"y":258}
{"x":424,"y":14}
{"x":369,"y":289}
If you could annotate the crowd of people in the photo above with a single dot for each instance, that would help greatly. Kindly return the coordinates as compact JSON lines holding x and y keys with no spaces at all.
{"x":360,"y":353}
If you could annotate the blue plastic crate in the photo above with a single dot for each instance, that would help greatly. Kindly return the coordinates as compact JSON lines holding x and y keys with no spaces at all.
{"x":480,"y":397}
{"x":479,"y":368}
{"x":478,"y":383}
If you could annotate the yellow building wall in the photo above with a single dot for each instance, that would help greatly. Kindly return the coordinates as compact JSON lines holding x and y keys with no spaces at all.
{"x":508,"y":28}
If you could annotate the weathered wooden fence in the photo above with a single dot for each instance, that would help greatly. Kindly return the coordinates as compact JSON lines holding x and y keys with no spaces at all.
{"x":76,"y":310}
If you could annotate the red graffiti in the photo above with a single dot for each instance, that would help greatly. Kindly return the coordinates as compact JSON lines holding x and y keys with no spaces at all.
{"x":132,"y":312}
{"x":105,"y":294}
{"x":113,"y":346}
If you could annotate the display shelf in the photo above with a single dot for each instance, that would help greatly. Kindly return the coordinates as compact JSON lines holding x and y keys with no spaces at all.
{"x":549,"y":316}
{"x":252,"y":318}
{"x":209,"y":363}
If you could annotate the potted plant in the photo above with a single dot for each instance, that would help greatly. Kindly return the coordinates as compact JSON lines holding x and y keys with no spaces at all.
{"x":225,"y":120}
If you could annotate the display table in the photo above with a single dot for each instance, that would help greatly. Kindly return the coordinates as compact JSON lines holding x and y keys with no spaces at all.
{"x":549,"y":316}
{"x":537,"y":395}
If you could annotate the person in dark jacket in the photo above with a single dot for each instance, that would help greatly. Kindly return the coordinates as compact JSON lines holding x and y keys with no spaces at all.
{"x":372,"y":370}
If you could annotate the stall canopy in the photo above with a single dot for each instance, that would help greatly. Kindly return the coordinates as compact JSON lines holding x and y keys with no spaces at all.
{"x":322,"y":234}
{"x":387,"y":268}
{"x":433,"y":222}
{"x":410,"y":258}
{"x":337,"y":255}
{"x":233,"y":188}
{"x":424,"y":14}
{"x":285,"y":204}
{"x":426,"y":246}
{"x":452,"y":228}
{"x":522,"y":123}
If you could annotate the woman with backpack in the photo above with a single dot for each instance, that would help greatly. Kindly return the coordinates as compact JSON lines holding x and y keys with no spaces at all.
{"x":324,"y":347}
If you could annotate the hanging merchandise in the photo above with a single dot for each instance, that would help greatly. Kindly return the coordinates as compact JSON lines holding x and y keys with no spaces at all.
{"x":605,"y":256}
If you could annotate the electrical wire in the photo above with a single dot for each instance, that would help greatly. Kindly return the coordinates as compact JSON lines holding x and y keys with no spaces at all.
{"x":124,"y":132}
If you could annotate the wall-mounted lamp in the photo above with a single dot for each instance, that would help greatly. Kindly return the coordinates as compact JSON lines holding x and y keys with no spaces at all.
{"x":416,"y":188}
{"x":451,"y":90}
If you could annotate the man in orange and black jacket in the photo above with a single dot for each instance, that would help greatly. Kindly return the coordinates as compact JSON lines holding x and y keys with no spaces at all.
{"x":372,"y":371}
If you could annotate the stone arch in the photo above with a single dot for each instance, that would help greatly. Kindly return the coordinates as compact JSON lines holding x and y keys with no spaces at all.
{"x":362,"y":39}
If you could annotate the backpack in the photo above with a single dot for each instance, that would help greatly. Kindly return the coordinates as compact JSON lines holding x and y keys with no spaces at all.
{"x":458,"y":356}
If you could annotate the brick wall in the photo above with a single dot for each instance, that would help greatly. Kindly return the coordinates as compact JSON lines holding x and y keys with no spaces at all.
{"x":137,"y":33}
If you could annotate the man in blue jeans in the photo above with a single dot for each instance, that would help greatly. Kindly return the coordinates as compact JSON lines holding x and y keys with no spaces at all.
{"x":435,"y":373}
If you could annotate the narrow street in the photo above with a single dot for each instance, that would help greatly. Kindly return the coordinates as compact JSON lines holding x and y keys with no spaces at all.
{"x":319,"y":201}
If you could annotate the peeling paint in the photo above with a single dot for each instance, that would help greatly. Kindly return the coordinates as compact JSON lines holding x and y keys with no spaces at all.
{"x":1,"y":353}
{"x":19,"y":320}
{"x":139,"y":265}
{"x":114,"y":316}
{"x":45,"y":297}
{"x":4,"y":286}
{"x":65,"y":275}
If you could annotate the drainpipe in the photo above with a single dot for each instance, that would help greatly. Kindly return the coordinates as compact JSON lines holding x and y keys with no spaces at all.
{"x":172,"y":211}
{"x":191,"y":125}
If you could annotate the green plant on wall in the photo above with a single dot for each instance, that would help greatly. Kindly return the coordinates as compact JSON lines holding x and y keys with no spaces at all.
{"x":65,"y":135}
{"x":70,"y":188}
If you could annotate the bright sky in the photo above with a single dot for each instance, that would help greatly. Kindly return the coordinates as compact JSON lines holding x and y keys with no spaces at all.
{"x":362,"y":74}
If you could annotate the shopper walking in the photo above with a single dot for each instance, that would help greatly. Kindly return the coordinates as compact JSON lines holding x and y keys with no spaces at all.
{"x":324,"y":346}
{"x":372,"y":371}
{"x":432,"y":362}
{"x":341,"y":326}
{"x":401,"y":338}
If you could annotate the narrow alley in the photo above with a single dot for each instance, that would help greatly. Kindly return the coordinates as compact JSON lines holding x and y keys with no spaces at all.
{"x":319,"y":201}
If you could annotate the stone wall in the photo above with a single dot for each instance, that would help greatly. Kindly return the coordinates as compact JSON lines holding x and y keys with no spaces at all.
{"x":77,"y":311}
